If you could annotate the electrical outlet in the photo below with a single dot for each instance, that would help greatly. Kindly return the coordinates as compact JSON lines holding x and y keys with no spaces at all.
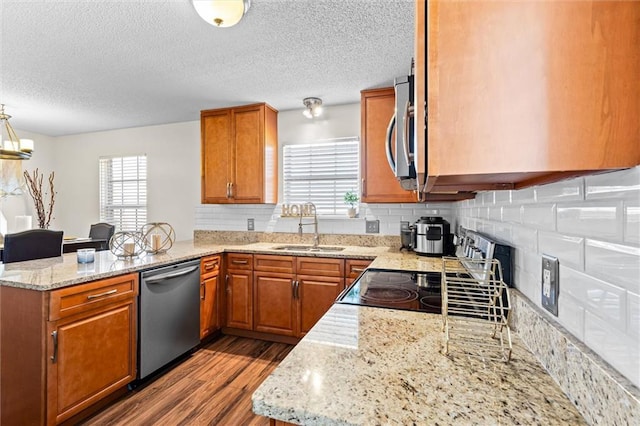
{"x":373,"y":226}
{"x":404,"y":225}
{"x":251,"y":226}
{"x":550,"y":283}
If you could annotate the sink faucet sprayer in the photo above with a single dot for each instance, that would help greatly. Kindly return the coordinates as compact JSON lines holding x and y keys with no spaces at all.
{"x":308,"y":208}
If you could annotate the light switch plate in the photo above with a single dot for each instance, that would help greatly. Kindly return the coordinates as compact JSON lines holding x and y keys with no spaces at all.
{"x":550,"y":283}
{"x":251,"y":226}
{"x":373,"y":227}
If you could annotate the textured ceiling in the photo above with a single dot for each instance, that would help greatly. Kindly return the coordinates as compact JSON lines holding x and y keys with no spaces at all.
{"x":85,"y":65}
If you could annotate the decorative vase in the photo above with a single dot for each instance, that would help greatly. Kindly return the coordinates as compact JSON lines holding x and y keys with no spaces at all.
{"x":351,"y":212}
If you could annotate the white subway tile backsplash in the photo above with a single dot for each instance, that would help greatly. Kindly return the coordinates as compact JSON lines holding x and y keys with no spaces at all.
{"x":571,"y":315}
{"x":495,"y":213}
{"x":524,"y":238}
{"x":632,"y":222}
{"x":540,"y":216}
{"x":619,"y":349}
{"x":526,"y":195}
{"x":502,"y":232}
{"x":602,"y":299}
{"x":568,"y":190}
{"x":633,"y":314}
{"x":502,"y":197}
{"x":512,"y":214}
{"x":618,"y":264}
{"x":591,"y":219}
{"x":619,"y":184}
{"x":569,"y":250}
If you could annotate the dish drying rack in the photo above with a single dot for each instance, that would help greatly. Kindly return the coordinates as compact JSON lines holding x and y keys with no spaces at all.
{"x":475,"y":308}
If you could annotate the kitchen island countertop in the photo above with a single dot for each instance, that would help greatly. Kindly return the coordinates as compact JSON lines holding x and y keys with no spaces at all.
{"x":375,"y":366}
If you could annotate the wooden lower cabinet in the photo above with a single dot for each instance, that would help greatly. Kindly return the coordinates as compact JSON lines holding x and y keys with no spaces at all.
{"x":209,"y":295}
{"x":239,"y":291}
{"x":289,"y":303}
{"x":65,"y":350}
{"x":276,"y":307}
{"x":353,"y":268}
{"x":315,"y":297}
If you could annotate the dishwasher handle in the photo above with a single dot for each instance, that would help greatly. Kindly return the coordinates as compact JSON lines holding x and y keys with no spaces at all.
{"x":168,"y":275}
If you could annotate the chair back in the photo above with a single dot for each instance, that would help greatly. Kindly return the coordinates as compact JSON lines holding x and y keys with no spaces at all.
{"x":102,"y":231}
{"x":32,"y":244}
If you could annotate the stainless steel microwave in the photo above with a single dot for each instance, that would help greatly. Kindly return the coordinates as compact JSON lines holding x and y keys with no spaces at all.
{"x":401,"y":140}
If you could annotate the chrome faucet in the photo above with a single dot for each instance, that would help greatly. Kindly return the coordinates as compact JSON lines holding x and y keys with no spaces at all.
{"x":303,"y":209}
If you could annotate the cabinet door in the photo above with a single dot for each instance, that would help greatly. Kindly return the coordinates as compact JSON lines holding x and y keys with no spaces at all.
{"x":239,"y":299}
{"x":248,"y":155}
{"x":216,"y":150}
{"x":316,"y":295}
{"x":209,"y":311}
{"x":560,"y":98}
{"x":91,"y":355}
{"x":379,"y":185}
{"x":275,"y":304}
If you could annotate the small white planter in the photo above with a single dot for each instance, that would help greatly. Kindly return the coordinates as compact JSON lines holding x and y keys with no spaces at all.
{"x":351,"y":212}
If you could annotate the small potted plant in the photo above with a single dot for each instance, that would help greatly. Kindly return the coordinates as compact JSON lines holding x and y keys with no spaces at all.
{"x":351,"y":198}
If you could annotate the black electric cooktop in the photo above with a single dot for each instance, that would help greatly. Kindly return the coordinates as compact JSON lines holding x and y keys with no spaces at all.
{"x":387,"y":288}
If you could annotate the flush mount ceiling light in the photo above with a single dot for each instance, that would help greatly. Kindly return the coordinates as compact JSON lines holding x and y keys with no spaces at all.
{"x":221,"y":13}
{"x":12,"y":148}
{"x":314,"y":107}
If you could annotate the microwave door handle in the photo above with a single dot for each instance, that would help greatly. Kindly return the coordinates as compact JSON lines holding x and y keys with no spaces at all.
{"x":392,"y":162}
{"x":405,"y":133}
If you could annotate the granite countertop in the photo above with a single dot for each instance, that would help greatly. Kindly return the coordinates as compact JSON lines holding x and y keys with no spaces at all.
{"x":373,"y":366}
{"x":63,"y":271}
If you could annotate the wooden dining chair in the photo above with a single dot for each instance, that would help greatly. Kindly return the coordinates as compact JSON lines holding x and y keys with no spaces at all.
{"x":32,"y":244}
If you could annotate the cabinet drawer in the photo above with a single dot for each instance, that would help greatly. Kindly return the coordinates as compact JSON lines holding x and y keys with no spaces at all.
{"x":209,"y":266}
{"x":274,"y":263}
{"x":354,"y":267}
{"x":72,"y":300}
{"x":318,"y":266}
{"x":240,"y":261}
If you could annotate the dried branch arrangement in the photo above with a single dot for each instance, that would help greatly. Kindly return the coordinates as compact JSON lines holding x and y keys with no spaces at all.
{"x":34,"y":184}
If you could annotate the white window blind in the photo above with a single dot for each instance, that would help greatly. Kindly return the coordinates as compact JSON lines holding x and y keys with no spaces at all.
{"x":123,"y":192}
{"x":321,"y":172}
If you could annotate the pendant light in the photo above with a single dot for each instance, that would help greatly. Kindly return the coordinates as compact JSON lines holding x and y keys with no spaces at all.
{"x":12,"y":147}
{"x":221,"y":13}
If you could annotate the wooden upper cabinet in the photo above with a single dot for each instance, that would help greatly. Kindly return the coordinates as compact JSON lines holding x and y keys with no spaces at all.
{"x":379,"y":185}
{"x":239,"y":155}
{"x":527,"y":92}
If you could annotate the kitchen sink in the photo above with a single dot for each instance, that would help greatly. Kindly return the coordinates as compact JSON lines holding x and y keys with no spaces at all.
{"x":309,"y":248}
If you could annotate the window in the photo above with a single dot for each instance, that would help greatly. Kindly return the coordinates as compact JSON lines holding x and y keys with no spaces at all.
{"x":321,"y":172}
{"x":123,"y":192}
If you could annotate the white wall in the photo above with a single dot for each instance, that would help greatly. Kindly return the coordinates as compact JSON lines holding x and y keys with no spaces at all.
{"x":43,"y":159}
{"x":592,"y":225}
{"x":173,"y":180}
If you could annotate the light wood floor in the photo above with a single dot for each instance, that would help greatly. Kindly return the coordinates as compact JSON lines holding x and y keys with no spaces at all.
{"x":212,"y":387}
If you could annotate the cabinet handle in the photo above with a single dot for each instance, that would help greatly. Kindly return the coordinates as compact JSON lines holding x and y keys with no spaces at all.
{"x":106,"y":293}
{"x":209,"y":266}
{"x":363,"y":189}
{"x":226,"y":283}
{"x":357,"y":269}
{"x":54,"y":357}
{"x":228,"y":195}
{"x":204,"y":291}
{"x":240,"y":262}
{"x":297,"y":292}
{"x":293,"y":288}
{"x":230,"y":189}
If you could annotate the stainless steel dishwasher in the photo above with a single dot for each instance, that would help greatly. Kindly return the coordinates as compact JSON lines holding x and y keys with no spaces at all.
{"x":169,"y":315}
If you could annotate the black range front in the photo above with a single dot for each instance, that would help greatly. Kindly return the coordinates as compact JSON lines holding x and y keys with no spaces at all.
{"x":387,"y":288}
